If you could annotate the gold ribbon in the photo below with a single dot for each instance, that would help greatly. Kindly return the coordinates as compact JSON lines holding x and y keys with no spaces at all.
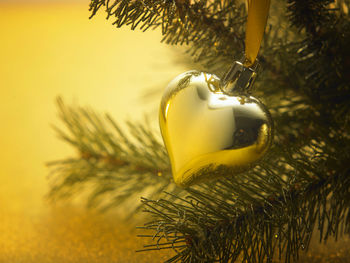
{"x":258,"y":11}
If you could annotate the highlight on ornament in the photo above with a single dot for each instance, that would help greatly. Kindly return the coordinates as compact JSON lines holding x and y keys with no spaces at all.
{"x":206,"y":130}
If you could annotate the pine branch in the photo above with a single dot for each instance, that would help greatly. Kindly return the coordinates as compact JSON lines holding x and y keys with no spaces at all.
{"x":269,"y":212}
{"x":181,"y":21}
{"x":209,"y":26}
{"x":310,"y":14}
{"x":111,"y":166}
{"x":323,"y":56}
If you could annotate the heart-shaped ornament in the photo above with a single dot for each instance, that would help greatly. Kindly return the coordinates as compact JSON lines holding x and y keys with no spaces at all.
{"x":208,"y":133}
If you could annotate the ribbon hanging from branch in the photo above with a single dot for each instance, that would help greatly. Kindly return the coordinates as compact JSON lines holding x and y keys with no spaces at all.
{"x":258,"y":11}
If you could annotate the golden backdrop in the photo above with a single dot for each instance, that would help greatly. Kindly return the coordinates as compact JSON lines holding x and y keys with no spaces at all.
{"x":48,"y":49}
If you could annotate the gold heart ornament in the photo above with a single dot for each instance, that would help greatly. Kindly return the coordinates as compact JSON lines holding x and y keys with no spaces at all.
{"x":207,"y":132}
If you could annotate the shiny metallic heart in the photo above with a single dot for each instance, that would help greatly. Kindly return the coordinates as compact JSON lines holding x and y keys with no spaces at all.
{"x":206,"y":131}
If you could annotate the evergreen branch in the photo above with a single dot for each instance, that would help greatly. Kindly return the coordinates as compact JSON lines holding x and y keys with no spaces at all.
{"x":323,"y":56}
{"x":208,"y":25}
{"x":309,"y":14}
{"x":111,"y":166}
{"x":181,"y":20}
{"x":278,"y":218}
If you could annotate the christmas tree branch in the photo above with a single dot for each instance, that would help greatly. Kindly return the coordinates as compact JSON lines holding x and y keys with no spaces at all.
{"x":259,"y":215}
{"x":181,"y":21}
{"x":208,"y":25}
{"x":323,"y":55}
{"x":112,"y":166}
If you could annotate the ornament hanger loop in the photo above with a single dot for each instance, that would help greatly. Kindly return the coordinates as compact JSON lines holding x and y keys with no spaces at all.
{"x":241,"y":76}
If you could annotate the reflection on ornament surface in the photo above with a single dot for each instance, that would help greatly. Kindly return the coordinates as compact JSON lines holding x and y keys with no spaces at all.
{"x":204,"y":129}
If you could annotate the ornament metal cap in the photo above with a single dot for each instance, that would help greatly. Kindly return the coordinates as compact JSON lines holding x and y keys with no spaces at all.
{"x":239,"y":79}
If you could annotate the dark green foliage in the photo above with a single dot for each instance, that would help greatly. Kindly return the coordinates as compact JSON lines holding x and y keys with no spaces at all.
{"x":323,"y":57}
{"x":301,"y":188}
{"x":268,"y":212}
{"x":309,"y":14}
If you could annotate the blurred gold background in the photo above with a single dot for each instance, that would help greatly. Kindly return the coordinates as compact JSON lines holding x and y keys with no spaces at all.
{"x":51,"y":48}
